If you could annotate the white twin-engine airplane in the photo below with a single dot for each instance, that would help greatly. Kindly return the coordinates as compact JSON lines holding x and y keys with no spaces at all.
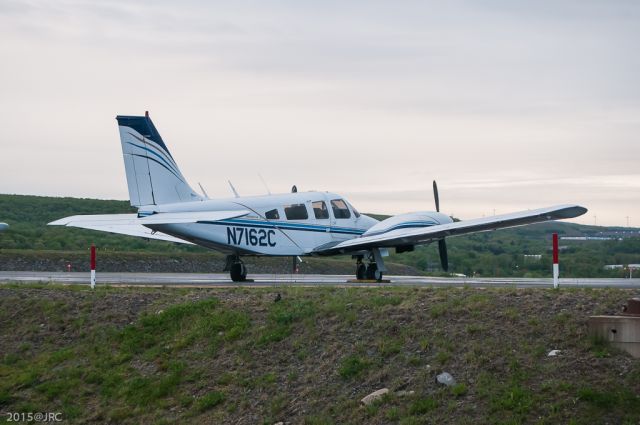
{"x":292,"y":224}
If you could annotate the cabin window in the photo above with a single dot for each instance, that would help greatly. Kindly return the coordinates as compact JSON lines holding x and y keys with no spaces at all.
{"x":320,"y":210}
{"x":340,"y":209}
{"x":272,"y":214}
{"x":296,"y":212}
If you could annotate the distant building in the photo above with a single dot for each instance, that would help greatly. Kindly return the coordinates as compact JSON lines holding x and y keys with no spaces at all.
{"x":622,"y":266}
{"x":588,"y":238}
{"x":630,"y":267}
{"x":532,"y":257}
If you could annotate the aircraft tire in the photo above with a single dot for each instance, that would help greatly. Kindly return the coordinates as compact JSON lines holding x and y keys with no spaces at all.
{"x":361,"y":271}
{"x":238,"y":272}
{"x":371,"y":271}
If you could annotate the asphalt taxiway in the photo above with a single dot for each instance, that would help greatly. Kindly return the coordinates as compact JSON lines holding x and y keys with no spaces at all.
{"x":210,"y":280}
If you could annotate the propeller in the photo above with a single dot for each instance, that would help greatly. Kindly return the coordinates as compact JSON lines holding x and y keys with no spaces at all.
{"x":442,"y":245}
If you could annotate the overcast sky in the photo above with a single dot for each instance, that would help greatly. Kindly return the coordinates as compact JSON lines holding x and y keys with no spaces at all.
{"x":509,"y":105}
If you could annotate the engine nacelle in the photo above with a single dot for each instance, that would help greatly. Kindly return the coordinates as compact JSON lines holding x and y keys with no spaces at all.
{"x":409,"y":220}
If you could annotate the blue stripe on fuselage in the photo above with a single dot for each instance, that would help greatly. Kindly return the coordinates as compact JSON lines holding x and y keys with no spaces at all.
{"x":286,"y":226}
{"x":312,"y":227}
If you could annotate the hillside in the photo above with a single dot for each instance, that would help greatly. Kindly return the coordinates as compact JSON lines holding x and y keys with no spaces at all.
{"x":165,"y":356}
{"x":499,"y":253}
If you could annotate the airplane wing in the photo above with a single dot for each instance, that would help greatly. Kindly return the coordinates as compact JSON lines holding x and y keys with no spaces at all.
{"x":132,"y":225}
{"x":425,"y":235}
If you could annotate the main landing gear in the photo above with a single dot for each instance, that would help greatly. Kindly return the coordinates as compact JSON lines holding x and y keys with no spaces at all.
{"x":375,"y":268}
{"x":236,"y":268}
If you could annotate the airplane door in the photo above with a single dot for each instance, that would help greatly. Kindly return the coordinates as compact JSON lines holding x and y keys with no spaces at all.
{"x":337,"y":225}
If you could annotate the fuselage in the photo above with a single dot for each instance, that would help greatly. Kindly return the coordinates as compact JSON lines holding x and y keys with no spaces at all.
{"x":279,"y":224}
{"x":282,"y":224}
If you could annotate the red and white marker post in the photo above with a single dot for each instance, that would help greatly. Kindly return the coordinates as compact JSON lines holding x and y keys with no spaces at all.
{"x":556,"y":266}
{"x":93,"y":266}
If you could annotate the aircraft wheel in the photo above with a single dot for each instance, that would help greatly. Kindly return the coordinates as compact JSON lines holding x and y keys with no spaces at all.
{"x":238,"y":272}
{"x":371,"y":271}
{"x":361,"y":271}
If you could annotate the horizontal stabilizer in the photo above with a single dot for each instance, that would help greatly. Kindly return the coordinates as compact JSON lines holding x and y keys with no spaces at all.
{"x":122,"y":224}
{"x":132,"y":225}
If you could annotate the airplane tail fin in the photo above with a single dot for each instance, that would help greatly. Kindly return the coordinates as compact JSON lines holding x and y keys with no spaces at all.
{"x":153,"y":176}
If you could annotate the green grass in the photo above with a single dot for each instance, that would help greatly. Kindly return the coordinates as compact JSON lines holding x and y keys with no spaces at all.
{"x":352,"y":366}
{"x":422,"y":406}
{"x":210,"y":400}
{"x":283,"y":317}
{"x":606,"y":400}
{"x":209,"y":356}
{"x":459,"y":390}
{"x":599,"y":346}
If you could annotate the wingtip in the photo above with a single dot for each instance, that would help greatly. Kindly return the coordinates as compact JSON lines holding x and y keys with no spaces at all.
{"x":572,"y":211}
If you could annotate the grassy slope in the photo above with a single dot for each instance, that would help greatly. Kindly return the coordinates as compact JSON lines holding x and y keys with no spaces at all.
{"x":236,"y":356}
{"x":486,"y":254}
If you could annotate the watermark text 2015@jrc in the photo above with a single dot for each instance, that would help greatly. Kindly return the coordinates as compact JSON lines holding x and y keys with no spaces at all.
{"x":34,"y":416}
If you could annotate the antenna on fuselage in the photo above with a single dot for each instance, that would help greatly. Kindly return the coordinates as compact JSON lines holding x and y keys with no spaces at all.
{"x":264,"y":183}
{"x":233,"y":189}
{"x":203,"y":191}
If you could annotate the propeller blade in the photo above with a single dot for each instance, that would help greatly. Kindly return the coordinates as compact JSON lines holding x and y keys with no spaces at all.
{"x":435,"y":195}
{"x":444,"y":258}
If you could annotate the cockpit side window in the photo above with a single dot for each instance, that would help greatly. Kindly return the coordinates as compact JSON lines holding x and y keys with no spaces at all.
{"x":320,"y":210}
{"x":272,"y":214}
{"x":340,"y":209}
{"x":296,"y":212}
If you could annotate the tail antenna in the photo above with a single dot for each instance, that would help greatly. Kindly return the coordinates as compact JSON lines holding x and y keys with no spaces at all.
{"x":233,"y":189}
{"x":204,"y":192}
